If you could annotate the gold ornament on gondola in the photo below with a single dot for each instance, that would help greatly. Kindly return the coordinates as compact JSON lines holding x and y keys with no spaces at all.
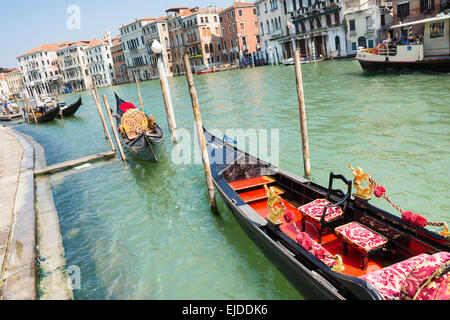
{"x":274,"y":212}
{"x":359,"y":178}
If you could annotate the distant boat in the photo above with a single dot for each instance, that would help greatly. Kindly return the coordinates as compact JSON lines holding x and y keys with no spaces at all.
{"x":42,"y":114}
{"x":11,"y":116}
{"x":206,"y":70}
{"x":146,"y":145}
{"x":290,"y":61}
{"x":431,"y":54}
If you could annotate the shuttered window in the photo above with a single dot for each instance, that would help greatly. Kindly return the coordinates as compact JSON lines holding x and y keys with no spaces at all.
{"x":403,"y":10}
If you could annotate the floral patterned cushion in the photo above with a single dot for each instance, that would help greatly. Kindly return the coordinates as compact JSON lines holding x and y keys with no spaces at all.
{"x":314,"y":210}
{"x":316,"y":249}
{"x":421,"y":272}
{"x":388,"y":281}
{"x":438,"y":289}
{"x":361,"y":236}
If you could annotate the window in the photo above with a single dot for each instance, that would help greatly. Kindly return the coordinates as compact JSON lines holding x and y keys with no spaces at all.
{"x":426,"y":6}
{"x":437,"y":29}
{"x":369,"y":22}
{"x":228,"y":15}
{"x":242,"y":26}
{"x":328,"y":18}
{"x":353,"y":45}
{"x":383,"y":20}
{"x":337,"y":19}
{"x":352,"y":25}
{"x":240,"y":12}
{"x":403,"y":9}
{"x":370,"y":43}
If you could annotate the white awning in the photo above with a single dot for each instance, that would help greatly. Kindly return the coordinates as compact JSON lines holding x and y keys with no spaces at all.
{"x":429,"y":20}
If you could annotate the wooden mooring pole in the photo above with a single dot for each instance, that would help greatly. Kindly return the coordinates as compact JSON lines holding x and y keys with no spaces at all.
{"x":139,"y":93}
{"x":157,"y":49}
{"x":108,"y":111}
{"x":302,"y":109}
{"x":102,"y":118}
{"x":201,"y":137}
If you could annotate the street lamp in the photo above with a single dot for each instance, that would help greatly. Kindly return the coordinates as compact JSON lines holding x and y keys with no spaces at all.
{"x":157,"y":47}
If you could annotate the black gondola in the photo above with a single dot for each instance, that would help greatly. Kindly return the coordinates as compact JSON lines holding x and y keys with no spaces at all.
{"x":43,"y":114}
{"x":242,"y":179}
{"x":70,"y":110}
{"x":147,"y":145}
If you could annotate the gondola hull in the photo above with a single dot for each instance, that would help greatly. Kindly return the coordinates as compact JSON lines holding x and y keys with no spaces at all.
{"x":312,"y":278}
{"x":70,"y":110}
{"x":147,"y":147}
{"x":46,"y":117}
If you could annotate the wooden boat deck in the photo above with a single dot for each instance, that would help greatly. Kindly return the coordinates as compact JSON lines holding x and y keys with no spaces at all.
{"x":253,"y":193}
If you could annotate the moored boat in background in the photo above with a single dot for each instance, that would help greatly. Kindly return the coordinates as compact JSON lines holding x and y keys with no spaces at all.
{"x":71,"y":109}
{"x":327,"y":244}
{"x":432,"y":53}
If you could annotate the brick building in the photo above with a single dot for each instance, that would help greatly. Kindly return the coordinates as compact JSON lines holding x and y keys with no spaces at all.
{"x":240,"y":33}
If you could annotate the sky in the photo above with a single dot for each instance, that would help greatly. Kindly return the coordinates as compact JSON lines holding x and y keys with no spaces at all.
{"x":26,"y":24}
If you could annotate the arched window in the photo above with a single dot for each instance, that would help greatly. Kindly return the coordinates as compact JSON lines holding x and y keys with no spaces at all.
{"x":206,"y":48}
{"x":208,"y":32}
{"x":203,"y":32}
{"x":362,"y":42}
{"x":211,"y":48}
{"x":337,"y":42}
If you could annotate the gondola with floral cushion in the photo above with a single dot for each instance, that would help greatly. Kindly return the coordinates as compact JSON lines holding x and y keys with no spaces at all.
{"x":146,"y":143}
{"x":361,"y":252}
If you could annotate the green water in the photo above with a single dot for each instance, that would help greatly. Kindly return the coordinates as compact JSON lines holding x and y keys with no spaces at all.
{"x":146,"y":232}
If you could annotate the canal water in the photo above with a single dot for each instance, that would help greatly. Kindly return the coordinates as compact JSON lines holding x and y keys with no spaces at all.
{"x":146,"y":231}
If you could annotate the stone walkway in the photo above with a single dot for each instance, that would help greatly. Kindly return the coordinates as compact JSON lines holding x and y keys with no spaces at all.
{"x":17,"y":218}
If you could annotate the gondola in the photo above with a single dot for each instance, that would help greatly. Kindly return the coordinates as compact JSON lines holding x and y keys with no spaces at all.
{"x":148,"y":145}
{"x":324,"y":259}
{"x":70,"y":110}
{"x":43,"y":116}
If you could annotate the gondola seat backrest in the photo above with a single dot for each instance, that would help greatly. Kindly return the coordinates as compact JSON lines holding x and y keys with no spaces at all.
{"x":403,"y":279}
{"x":323,"y":212}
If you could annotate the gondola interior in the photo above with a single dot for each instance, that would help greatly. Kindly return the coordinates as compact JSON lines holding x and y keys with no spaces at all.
{"x":368,"y":243}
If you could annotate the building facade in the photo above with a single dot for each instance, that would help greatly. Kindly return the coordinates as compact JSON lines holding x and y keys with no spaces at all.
{"x":4,"y":89}
{"x":368,"y":22}
{"x":134,"y":49}
{"x":412,"y":10}
{"x":119,"y":65}
{"x":14,"y":81}
{"x":99,"y":61}
{"x":240,"y":32}
{"x":319,"y":29}
{"x":157,"y":30}
{"x":202,"y":39}
{"x":73,"y":66}
{"x":273,"y":17}
{"x":40,"y":69}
